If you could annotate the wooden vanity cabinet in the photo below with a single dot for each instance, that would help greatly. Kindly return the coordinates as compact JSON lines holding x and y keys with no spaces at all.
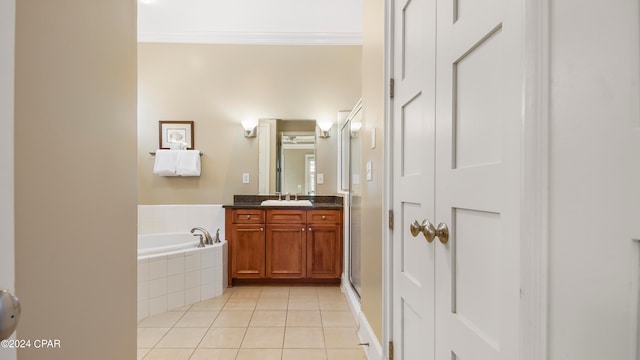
{"x":324,"y":244}
{"x":285,"y":244}
{"x":247,"y":248}
{"x":286,"y":248}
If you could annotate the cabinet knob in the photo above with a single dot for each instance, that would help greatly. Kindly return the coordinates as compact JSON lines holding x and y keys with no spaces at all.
{"x":324,"y":217}
{"x":309,"y":229}
{"x":261,"y":229}
{"x":302,"y":229}
{"x":248,"y":217}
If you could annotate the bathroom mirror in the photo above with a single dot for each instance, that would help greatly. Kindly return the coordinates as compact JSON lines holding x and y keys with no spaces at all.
{"x":286,"y":156}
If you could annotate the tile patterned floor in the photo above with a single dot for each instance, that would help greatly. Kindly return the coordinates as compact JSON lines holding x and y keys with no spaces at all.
{"x":246,"y":323}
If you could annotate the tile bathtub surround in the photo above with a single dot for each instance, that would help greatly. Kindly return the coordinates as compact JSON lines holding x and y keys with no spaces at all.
{"x":173,"y":281}
{"x":247,"y":323}
{"x":154,"y":219}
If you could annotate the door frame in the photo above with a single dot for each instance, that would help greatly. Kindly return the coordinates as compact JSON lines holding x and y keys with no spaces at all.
{"x":533,"y":189}
{"x":7,"y":227}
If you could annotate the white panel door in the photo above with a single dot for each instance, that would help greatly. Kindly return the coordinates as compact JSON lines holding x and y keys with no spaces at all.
{"x":478,"y":130}
{"x":413,"y":167}
{"x":456,"y":143}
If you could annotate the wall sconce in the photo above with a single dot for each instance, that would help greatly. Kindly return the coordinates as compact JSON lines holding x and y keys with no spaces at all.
{"x":355,"y":129}
{"x":250,"y":128}
{"x":325,"y":127}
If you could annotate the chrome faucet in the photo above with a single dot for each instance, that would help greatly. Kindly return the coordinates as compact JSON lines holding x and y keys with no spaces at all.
{"x":207,"y":236}
{"x":288,"y":196}
{"x":217,"y":239}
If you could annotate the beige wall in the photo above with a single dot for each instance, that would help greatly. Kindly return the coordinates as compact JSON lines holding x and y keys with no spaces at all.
{"x":217,"y":86}
{"x":372,"y":191}
{"x":75,"y":177}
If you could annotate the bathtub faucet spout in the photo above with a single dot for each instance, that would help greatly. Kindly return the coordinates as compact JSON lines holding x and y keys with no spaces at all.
{"x":207,"y":236}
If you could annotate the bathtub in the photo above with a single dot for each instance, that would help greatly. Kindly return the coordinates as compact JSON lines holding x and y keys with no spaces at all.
{"x":166,"y":243}
{"x":173,"y":272}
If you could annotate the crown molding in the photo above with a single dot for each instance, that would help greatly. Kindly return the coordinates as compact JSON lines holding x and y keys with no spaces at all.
{"x":256,"y":38}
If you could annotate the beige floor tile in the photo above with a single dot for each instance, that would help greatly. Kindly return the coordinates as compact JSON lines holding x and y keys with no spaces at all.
{"x":343,"y":319}
{"x":334,"y":304}
{"x":303,"y":302}
{"x":142,"y":353}
{"x":165,"y":319}
{"x":341,"y":338}
{"x":169,"y":354}
{"x":182,"y":308}
{"x":304,"y":354}
{"x":275,"y":291}
{"x":303,"y":338}
{"x":345,"y":354}
{"x":240,"y":303}
{"x":246,"y":292}
{"x":329,"y":290}
{"x":268,"y":318}
{"x":273,"y":303}
{"x":236,"y":318}
{"x":263,"y":338}
{"x":213,"y":304}
{"x":149,"y":337}
{"x":303,"y":291}
{"x":182,"y":338}
{"x":304,"y":318}
{"x":197,"y":319}
{"x":214,"y":354}
{"x":223,"y":338}
{"x":331,"y":297}
{"x":259,"y":354}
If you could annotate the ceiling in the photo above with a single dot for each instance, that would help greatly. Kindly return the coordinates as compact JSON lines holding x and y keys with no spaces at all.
{"x":297,"y":22}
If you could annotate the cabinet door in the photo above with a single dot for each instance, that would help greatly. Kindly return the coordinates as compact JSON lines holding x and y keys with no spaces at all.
{"x":286,"y":251}
{"x":248,"y":251}
{"x":324,"y":251}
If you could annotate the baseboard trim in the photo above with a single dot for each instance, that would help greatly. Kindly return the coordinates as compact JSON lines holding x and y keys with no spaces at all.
{"x":365,"y":332}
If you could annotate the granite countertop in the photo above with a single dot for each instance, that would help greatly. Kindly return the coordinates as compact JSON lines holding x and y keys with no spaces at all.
{"x":320,"y":202}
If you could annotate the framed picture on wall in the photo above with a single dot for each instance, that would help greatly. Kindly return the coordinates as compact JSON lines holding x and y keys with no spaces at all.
{"x":175,"y":132}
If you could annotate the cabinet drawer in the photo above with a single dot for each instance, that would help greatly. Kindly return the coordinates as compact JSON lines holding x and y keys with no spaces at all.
{"x":277,"y":216}
{"x":324,"y":217}
{"x":247,"y":216}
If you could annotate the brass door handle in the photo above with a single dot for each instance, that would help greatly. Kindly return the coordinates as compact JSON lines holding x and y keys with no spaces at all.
{"x":442,"y":232}
{"x":426,"y":228}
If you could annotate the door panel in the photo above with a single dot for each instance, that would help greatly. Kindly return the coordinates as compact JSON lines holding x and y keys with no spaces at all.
{"x":476,"y":271}
{"x":456,"y":160}
{"x":324,"y":251}
{"x":286,"y":251}
{"x":247,"y":249}
{"x":478,"y":117}
{"x":413,"y":167}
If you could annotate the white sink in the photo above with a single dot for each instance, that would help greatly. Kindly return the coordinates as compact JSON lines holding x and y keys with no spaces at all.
{"x":286,"y":203}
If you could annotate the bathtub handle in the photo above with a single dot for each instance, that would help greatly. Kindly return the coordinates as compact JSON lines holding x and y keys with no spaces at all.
{"x":201,"y":245}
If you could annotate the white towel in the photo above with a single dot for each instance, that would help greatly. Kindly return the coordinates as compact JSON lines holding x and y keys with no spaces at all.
{"x":166,"y":161}
{"x":188,"y":163}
